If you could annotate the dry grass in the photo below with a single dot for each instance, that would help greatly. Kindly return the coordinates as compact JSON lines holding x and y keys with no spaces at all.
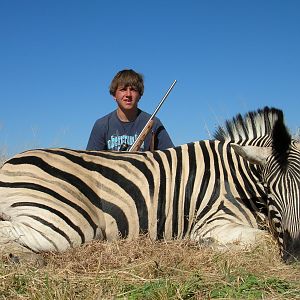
{"x":145,"y":269}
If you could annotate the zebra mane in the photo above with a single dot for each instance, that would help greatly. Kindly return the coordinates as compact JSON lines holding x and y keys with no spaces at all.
{"x":266,"y":123}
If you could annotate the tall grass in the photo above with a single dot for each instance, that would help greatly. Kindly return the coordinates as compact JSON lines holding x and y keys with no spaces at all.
{"x":3,"y":156}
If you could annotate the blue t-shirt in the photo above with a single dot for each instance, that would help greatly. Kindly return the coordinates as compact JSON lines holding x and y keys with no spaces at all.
{"x":109,"y":133}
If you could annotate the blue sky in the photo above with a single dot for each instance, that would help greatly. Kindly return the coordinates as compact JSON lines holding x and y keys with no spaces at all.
{"x":57,"y":59}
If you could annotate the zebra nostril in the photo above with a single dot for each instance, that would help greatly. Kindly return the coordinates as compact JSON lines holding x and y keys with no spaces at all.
{"x":291,"y":252}
{"x":288,"y":258}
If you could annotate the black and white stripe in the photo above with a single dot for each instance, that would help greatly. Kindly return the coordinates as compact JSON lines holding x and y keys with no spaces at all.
{"x":53,"y":199}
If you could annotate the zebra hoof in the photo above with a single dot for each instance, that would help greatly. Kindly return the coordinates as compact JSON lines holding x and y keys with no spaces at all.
{"x":32,"y":259}
{"x":208,"y":242}
{"x":14,"y":258}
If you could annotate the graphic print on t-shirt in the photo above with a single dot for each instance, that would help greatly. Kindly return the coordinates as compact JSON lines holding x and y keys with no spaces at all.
{"x":115,"y":141}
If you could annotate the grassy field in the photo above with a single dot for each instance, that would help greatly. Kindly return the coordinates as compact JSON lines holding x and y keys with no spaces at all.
{"x":145,"y":269}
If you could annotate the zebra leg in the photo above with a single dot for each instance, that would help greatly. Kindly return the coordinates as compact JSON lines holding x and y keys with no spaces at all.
{"x":229,"y":234}
{"x":12,"y":250}
{"x":237,"y":234}
{"x":225,"y":224}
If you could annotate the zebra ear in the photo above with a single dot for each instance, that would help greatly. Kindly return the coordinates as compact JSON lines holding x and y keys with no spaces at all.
{"x":253,"y":154}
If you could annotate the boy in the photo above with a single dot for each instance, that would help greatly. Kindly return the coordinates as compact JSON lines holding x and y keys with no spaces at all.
{"x":123,"y":125}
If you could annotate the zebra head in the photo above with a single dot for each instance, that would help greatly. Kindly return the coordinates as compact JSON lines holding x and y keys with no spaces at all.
{"x":280,"y":170}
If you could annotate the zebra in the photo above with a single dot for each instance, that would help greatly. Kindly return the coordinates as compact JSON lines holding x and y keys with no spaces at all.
{"x":222,"y":190}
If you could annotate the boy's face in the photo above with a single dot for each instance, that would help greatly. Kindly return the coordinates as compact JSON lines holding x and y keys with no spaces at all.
{"x":127,"y":97}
